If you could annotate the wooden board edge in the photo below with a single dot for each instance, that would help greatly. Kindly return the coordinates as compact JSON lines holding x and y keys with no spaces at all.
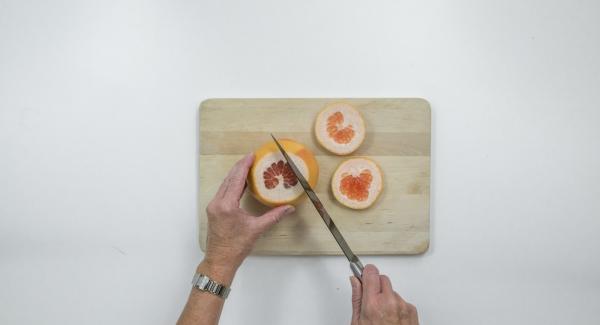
{"x":205,"y":103}
{"x":417,"y":252}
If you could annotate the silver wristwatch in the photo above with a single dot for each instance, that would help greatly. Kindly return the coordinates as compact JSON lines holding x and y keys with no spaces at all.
{"x":204,"y":283}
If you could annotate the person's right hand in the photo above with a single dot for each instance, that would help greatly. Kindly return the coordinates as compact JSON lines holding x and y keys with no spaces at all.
{"x":374,"y":302}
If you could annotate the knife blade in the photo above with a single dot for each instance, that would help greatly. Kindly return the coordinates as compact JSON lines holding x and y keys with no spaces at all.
{"x":355,"y":263}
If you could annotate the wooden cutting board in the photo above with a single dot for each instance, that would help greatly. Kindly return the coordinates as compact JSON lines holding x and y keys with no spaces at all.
{"x":398,"y":138}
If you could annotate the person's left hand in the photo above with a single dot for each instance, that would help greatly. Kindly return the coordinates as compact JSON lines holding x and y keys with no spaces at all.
{"x":232,"y":231}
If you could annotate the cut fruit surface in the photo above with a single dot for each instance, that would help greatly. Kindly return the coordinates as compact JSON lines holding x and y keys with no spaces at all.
{"x":272,"y":181}
{"x":357,"y":183}
{"x":340,"y":128}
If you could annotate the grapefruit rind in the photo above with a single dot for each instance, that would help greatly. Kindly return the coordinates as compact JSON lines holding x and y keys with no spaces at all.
{"x":281,"y":194}
{"x":351,"y":117}
{"x":355,"y":166}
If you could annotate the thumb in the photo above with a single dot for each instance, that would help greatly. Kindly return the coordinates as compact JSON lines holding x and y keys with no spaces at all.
{"x":356,"y":299}
{"x":271,"y":217}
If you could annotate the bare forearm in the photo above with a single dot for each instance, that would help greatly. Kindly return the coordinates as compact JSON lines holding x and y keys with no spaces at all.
{"x":204,"y":308}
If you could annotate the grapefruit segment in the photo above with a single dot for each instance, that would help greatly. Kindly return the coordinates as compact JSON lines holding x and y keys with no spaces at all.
{"x":335,"y":130}
{"x":340,"y":128}
{"x":272,"y":181}
{"x":356,"y":187}
{"x":357,"y":183}
{"x":282,"y":169}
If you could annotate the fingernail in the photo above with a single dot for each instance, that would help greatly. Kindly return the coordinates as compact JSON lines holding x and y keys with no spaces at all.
{"x":351,"y":282}
{"x":289,"y":210}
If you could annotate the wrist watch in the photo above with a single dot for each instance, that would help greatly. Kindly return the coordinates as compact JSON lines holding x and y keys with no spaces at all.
{"x":204,"y":283}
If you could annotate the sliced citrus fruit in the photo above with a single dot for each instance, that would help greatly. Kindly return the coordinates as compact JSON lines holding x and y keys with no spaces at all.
{"x":272,"y":181}
{"x":340,"y":128}
{"x":357,"y":183}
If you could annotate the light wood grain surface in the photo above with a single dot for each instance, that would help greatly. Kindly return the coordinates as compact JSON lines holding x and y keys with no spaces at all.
{"x":398,"y":138}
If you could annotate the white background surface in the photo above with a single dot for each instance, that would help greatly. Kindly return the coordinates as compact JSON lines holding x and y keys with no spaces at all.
{"x":98,"y":142}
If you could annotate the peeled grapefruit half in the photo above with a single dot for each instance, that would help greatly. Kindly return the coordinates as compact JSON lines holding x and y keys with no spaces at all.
{"x":340,"y":128}
{"x":357,"y":183}
{"x":272,"y":181}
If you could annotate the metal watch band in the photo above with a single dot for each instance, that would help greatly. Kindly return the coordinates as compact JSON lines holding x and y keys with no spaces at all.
{"x":204,"y":283}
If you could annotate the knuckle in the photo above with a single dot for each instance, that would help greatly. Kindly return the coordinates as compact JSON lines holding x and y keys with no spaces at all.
{"x":411,"y":309}
{"x":211,"y":209}
{"x":397,"y":298}
{"x":403,"y":309}
{"x":238,"y":166}
{"x":402,"y":305}
{"x":219,"y":208}
{"x":404,"y":314}
{"x":225,"y":208}
{"x":237,"y":179}
{"x":391,"y":304}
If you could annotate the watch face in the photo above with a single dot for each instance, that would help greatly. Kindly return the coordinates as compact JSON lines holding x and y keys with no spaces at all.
{"x":203,"y":281}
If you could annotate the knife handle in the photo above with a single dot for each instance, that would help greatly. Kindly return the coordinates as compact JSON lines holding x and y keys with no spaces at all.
{"x":357,"y":269}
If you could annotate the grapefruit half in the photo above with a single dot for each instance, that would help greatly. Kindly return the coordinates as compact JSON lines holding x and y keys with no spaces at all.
{"x":357,"y":183}
{"x":272,"y":181}
{"x":340,"y":128}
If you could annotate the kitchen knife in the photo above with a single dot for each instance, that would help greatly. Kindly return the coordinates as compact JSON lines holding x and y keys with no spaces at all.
{"x":355,"y":264}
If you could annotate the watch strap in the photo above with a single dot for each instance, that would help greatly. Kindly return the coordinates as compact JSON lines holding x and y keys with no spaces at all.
{"x":204,"y":283}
